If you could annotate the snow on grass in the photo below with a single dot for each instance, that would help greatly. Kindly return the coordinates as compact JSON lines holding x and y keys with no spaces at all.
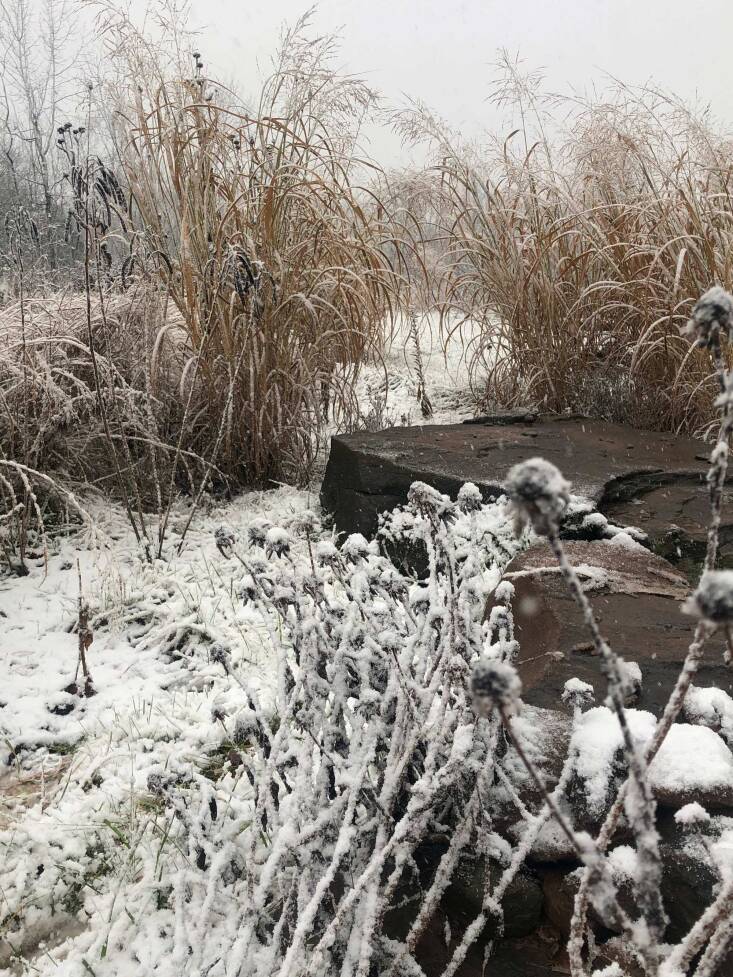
{"x":76,"y":806}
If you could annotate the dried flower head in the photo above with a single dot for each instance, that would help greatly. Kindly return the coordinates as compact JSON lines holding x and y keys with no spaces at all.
{"x":257,"y":531}
{"x":712,"y":601}
{"x":355,"y":547}
{"x":306,"y":524}
{"x":220,"y":656}
{"x":277,"y":542}
{"x":218,"y":711}
{"x":539,"y":495}
{"x":248,"y":590}
{"x":327,"y":554}
{"x":578,"y":694}
{"x":496,"y":683}
{"x":225,"y":539}
{"x":469,"y":498}
{"x":712,"y":313}
{"x":158,"y":783}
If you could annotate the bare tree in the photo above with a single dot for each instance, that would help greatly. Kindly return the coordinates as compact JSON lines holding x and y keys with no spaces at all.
{"x":38,"y":52}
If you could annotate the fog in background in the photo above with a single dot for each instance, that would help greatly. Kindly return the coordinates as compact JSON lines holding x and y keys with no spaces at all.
{"x":443,"y":51}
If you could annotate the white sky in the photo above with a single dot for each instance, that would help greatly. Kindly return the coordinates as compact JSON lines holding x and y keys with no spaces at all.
{"x":443,"y":50}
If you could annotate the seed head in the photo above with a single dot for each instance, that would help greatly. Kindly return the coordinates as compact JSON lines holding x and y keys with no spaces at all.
{"x":355,"y":547}
{"x":248,"y":591}
{"x":220,"y":656}
{"x":277,"y":542}
{"x":306,"y":524}
{"x":224,"y":539}
{"x":257,"y":531}
{"x":539,"y":495}
{"x":327,"y":553}
{"x":496,"y":683}
{"x":469,"y":498}
{"x":712,"y":601}
{"x":712,"y":313}
{"x":577,"y":693}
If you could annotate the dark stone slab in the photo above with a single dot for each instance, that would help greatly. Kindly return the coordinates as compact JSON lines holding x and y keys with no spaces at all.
{"x":689,"y":879}
{"x":675,"y":517}
{"x":636,"y":596}
{"x":369,"y":473}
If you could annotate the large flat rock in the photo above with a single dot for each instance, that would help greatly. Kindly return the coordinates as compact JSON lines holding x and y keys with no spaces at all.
{"x":636,"y":597}
{"x":369,"y":473}
{"x":675,"y":516}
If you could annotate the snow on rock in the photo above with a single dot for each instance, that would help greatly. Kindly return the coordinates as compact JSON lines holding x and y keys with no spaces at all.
{"x":710,"y":707}
{"x":692,"y":765}
{"x":623,"y":862}
{"x":597,"y":743}
{"x":692,"y":814}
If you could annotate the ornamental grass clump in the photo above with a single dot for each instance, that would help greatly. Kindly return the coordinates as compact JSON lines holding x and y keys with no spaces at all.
{"x":572,"y":242}
{"x":262,"y":226}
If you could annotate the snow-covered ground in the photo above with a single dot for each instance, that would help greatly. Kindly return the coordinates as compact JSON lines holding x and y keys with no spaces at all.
{"x":387,"y":391}
{"x":72,"y":766}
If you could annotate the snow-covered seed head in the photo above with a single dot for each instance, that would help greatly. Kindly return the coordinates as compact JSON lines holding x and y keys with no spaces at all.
{"x":257,"y":531}
{"x":225,"y":539}
{"x":501,"y":623}
{"x":504,"y":592}
{"x":245,"y":726}
{"x":306,"y":524}
{"x":578,"y":694}
{"x":394,"y":583}
{"x":692,"y":815}
{"x":248,"y":591}
{"x":496,"y":683}
{"x":429,"y":502}
{"x":469,"y":498}
{"x":218,"y":712}
{"x":355,"y":547}
{"x":711,"y":314}
{"x":277,"y":542}
{"x":158,"y":783}
{"x":712,"y":601}
{"x":538,"y":493}
{"x":219,"y":655}
{"x":327,"y":554}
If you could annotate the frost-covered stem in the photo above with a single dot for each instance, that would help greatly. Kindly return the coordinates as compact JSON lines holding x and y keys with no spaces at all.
{"x":459,"y":840}
{"x":717,"y":472}
{"x":643,"y":815}
{"x":346,"y":834}
{"x":492,"y":899}
{"x":716,"y":481}
{"x":671,"y":712}
{"x":548,"y":799}
{"x":719,"y":944}
{"x":586,"y":850}
{"x":717,"y":913}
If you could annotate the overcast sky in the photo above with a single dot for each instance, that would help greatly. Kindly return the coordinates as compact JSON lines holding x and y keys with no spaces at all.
{"x":443,"y":50}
